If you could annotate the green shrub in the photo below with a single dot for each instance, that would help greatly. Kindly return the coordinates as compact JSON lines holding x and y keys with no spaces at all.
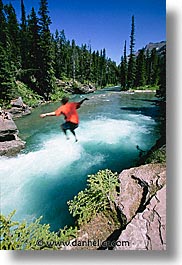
{"x":35,"y":236}
{"x":29,"y":97}
{"x":158,"y":156}
{"x":98,"y":196}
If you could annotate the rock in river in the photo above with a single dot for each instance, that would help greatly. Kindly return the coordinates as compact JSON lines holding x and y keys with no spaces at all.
{"x":10,"y":143}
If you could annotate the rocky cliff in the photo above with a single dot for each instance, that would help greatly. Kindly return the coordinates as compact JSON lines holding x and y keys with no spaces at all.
{"x":141,"y":214}
{"x":142,"y":201}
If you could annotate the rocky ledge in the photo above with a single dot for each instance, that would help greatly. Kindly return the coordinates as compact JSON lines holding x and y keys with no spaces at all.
{"x":10,"y":143}
{"x":141,"y":214}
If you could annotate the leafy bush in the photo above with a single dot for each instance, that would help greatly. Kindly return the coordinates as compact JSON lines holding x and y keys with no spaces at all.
{"x":35,"y":236}
{"x":29,"y":97}
{"x":157,"y":156}
{"x":98,"y":196}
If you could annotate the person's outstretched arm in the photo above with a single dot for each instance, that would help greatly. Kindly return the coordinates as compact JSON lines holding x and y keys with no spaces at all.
{"x":43,"y":115}
{"x":80,"y":102}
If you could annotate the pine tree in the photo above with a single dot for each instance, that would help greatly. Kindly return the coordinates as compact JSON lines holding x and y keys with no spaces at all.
{"x":102,"y":68}
{"x":13,"y":32}
{"x":60,"y":54}
{"x":112,"y":72}
{"x":57,"y":54}
{"x":123,"y":71}
{"x":74,"y":58}
{"x":23,"y":37}
{"x":46,"y":73}
{"x":34,"y":63}
{"x":154,"y":68}
{"x":131,"y":62}
{"x":7,"y":82}
{"x":3,"y":26}
{"x":140,"y":78}
{"x":161,"y":92}
{"x":148,"y":68}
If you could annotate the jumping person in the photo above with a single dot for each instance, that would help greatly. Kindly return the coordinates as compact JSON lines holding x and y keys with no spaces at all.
{"x":69,"y":110}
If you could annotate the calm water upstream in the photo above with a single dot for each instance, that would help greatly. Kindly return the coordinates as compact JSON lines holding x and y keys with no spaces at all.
{"x":51,"y":170}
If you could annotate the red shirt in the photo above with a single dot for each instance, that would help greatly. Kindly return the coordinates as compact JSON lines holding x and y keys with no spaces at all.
{"x":69,"y":111}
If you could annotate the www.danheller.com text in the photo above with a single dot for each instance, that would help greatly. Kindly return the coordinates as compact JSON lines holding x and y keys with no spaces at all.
{"x":83,"y":243}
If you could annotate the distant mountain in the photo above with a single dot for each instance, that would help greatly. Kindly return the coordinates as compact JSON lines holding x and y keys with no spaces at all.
{"x":159,"y":46}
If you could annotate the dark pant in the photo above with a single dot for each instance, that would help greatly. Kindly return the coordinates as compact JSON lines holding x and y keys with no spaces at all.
{"x":69,"y":126}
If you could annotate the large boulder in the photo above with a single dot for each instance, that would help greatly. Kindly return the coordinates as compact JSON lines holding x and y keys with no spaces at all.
{"x":11,"y":148}
{"x":137,"y":186}
{"x":8,"y":128}
{"x":18,"y":102}
{"x":18,"y":108}
{"x":84,"y":89}
{"x":147,"y":230}
{"x":10,"y":143}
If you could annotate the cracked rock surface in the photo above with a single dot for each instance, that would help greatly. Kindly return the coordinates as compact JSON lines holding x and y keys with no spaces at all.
{"x":145,"y":213}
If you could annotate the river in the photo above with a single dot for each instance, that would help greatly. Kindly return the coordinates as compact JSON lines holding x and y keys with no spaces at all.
{"x":51,"y":170}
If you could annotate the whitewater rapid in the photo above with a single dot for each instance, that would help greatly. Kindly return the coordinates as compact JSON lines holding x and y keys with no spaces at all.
{"x":40,"y":182}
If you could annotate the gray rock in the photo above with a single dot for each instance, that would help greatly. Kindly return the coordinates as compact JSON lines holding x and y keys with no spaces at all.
{"x":19,"y":112}
{"x":147,"y":230}
{"x":7,"y":128}
{"x":137,"y":186}
{"x":10,"y":143}
{"x":18,"y":102}
{"x":11,"y":148}
{"x":19,"y":109}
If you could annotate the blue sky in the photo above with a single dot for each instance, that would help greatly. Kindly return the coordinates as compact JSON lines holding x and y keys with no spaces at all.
{"x":105,"y":23}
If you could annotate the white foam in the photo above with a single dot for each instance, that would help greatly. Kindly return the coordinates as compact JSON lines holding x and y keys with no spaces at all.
{"x":109,"y":131}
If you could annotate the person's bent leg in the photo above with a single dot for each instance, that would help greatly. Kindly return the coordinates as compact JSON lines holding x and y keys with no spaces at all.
{"x":73,"y":126}
{"x":63,"y":128}
{"x":74,"y":135}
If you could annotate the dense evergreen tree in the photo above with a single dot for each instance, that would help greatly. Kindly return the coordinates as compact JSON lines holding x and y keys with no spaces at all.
{"x":34,"y":53}
{"x":103,"y":68}
{"x":74,"y":60}
{"x":140,"y":78}
{"x":123,"y":70}
{"x":3,"y":26}
{"x":23,"y":37}
{"x":57,"y":54}
{"x":7,"y":81}
{"x":131,"y":62}
{"x":154,"y":68}
{"x":61,"y":55}
{"x":162,"y":76}
{"x":148,"y":67}
{"x":46,"y":73}
{"x":13,"y":32}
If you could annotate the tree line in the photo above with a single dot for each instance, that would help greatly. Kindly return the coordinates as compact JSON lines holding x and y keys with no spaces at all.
{"x":144,"y":68}
{"x":30,"y":53}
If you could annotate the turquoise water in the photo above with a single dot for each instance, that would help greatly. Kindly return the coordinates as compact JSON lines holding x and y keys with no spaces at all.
{"x":51,"y":170}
